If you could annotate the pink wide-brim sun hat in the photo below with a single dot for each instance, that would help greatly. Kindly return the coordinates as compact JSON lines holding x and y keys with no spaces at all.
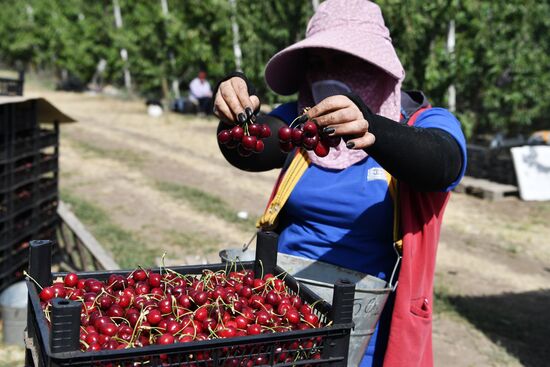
{"x":355,"y":27}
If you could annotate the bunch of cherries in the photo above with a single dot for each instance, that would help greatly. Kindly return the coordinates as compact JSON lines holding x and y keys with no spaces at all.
{"x":246,"y":137}
{"x":305,"y":133}
{"x":146,"y":308}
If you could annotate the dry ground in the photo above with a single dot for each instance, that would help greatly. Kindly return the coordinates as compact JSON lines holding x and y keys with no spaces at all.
{"x":162,"y":183}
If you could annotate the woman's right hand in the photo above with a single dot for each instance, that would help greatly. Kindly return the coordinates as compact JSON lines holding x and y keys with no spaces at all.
{"x":232,"y":102}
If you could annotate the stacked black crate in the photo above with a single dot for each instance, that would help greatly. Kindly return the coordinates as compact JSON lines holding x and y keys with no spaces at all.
{"x":28,"y":185}
{"x":12,"y":87}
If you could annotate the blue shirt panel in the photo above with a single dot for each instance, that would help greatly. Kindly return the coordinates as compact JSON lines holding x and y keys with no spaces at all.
{"x":441,"y":118}
{"x":343,"y":217}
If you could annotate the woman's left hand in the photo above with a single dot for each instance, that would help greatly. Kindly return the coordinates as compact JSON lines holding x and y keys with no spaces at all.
{"x":340,"y":116}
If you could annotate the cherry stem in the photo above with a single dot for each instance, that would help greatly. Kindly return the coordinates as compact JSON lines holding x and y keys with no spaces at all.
{"x":163,"y":265}
{"x":31,"y":278}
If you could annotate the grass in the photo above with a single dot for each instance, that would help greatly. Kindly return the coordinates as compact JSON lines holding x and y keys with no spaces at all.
{"x":124,"y":155}
{"x":128,"y":250}
{"x":204,"y":202}
{"x":443,"y":302}
{"x":193,"y":243}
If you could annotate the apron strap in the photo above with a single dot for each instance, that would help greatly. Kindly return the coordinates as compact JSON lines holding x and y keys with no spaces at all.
{"x":393,"y":186}
{"x":282,"y":192}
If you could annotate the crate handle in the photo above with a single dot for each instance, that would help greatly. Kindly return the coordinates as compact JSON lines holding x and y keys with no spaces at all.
{"x":267,"y":244}
{"x":65,"y":332}
{"x":40,"y":262}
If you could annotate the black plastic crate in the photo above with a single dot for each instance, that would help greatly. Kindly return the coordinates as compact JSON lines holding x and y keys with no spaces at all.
{"x":19,"y":117}
{"x":494,"y":164}
{"x":59,"y":345}
{"x":11,"y":87}
{"x":26,"y":170}
{"x":19,"y":129}
{"x":24,"y":144}
{"x":24,"y":197}
{"x":14,"y":255}
{"x":18,"y":253}
{"x":16,"y":227}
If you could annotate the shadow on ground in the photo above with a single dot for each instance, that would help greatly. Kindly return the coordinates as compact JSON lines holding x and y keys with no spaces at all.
{"x":519,"y":322}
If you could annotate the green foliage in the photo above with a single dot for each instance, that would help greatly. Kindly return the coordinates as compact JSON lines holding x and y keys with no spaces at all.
{"x":499,"y":68}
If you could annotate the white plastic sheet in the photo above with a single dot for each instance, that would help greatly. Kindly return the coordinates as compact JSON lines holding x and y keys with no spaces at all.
{"x":532,"y":165}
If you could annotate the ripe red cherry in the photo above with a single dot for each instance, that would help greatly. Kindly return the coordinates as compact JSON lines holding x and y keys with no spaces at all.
{"x":237,"y":133}
{"x":242,"y":322}
{"x":249,"y":142}
{"x":224,"y":136}
{"x":310,"y":142}
{"x":259,"y":146}
{"x":292,"y":315}
{"x":59,"y":291}
{"x":154,"y":316}
{"x":81,"y":284}
{"x":71,"y":280}
{"x":105,"y":302}
{"x":165,"y":306}
{"x":272,"y":298}
{"x":46,"y":294}
{"x":201,"y":314}
{"x":98,"y":322}
{"x":154,"y":280}
{"x":321,"y":150}
{"x":297,"y":135}
{"x":310,"y":129}
{"x":254,"y":329}
{"x":142,"y":288}
{"x":227,"y":332}
{"x":92,"y":338}
{"x":184,"y":301}
{"x":75,"y":294}
{"x":259,"y":284}
{"x":93,"y":285}
{"x":115,"y":311}
{"x":278,"y":285}
{"x":132,"y":316}
{"x":263,"y":318}
{"x":254,"y":129}
{"x":108,"y":329}
{"x":173,"y":327}
{"x":165,"y":339}
{"x":296,"y":301}
{"x":305,"y":309}
{"x":140,"y":275}
{"x":94,"y":347}
{"x":285,"y":134}
{"x":124,"y":300}
{"x":116,"y":282}
{"x":265,"y":132}
{"x":257,"y":302}
{"x":283,"y":308}
{"x":245,"y":292}
{"x":200,"y":298}
{"x":311,"y":319}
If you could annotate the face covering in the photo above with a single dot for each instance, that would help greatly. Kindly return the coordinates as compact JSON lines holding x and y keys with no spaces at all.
{"x":376,"y":88}
{"x":326,"y":88}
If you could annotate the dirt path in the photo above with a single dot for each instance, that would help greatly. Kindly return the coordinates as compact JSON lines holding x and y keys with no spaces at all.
{"x":490,"y":254}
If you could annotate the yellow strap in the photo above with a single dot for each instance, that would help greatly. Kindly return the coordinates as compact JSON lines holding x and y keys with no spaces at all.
{"x":295,"y":170}
{"x":394,"y":192}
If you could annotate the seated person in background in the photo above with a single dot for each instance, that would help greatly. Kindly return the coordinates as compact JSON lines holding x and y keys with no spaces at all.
{"x":200,"y":93}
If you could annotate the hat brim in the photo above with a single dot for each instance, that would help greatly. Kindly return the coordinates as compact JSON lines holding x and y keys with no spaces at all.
{"x":286,"y":69}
